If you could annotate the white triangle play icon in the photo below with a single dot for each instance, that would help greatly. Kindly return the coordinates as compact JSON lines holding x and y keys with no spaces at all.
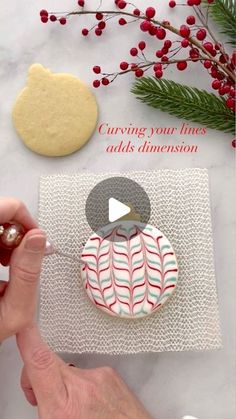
{"x":117,"y":210}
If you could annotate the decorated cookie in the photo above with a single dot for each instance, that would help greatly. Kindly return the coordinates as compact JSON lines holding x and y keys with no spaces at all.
{"x":128,"y":269}
{"x":55,"y":114}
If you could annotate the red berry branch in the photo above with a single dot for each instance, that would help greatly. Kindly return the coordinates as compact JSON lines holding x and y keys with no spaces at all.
{"x":194,"y":40}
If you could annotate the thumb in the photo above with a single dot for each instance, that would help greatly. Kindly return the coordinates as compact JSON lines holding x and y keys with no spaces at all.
{"x":42,"y":367}
{"x":25,"y":267}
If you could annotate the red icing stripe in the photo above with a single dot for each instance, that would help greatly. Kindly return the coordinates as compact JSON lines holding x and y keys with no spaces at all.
{"x":120,"y":253}
{"x":170,"y":270}
{"x":169,"y":286}
{"x":139,"y":302}
{"x":168,"y":254}
{"x":103,"y":254}
{"x":86,"y":255}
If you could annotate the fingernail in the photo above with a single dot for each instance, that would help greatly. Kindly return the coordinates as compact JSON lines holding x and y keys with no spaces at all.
{"x":35,"y":243}
{"x":49,"y":248}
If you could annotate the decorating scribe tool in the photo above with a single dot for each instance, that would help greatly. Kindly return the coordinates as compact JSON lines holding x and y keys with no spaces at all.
{"x":11,"y":235}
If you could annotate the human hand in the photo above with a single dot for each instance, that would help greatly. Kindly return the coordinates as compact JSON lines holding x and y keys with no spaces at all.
{"x":64,"y":392}
{"x":18,"y":297}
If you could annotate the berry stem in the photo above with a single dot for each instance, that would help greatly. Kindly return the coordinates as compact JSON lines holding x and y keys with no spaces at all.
{"x":204,"y":21}
{"x":163,"y":25}
{"x":149,"y":64}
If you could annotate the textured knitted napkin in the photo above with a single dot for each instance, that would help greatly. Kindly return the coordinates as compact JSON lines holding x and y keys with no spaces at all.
{"x":180,"y":208}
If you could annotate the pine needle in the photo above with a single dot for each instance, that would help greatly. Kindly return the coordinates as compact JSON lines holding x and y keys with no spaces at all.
{"x":185,"y":102}
{"x":223,"y":12}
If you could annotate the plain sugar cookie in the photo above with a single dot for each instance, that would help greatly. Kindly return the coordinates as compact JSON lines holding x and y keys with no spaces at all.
{"x":55,"y":114}
{"x":129,"y":278}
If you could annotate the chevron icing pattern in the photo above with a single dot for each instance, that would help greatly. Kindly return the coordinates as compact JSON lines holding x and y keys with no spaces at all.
{"x":128,"y":269}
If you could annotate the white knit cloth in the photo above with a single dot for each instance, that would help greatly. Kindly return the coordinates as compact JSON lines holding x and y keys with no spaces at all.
{"x":180,"y":207}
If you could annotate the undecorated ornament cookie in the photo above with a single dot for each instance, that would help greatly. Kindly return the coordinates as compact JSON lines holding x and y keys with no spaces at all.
{"x":128,"y":269}
{"x":55,"y":114}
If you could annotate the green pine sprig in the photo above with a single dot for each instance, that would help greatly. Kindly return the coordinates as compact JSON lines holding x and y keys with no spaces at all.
{"x":223,"y":12}
{"x":185,"y":102}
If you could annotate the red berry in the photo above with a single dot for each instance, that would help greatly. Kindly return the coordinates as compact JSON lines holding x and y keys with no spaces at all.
{"x":152,"y":30}
{"x":214,"y":72}
{"x":124,"y":65}
{"x":142,"y":45}
{"x":234,"y":143}
{"x":227,"y":88}
{"x":99,"y":16}
{"x":102,"y":25}
{"x":233,"y":58}
{"x":220,"y":75}
{"x":230,"y":103}
{"x":168,"y":43}
{"x":44,"y":19}
{"x":43,"y":13}
{"x":190,"y":2}
{"x":210,"y":1}
{"x":85,"y":32}
{"x":201,"y":34}
{"x":98,"y":31}
{"x":216,"y":84}
{"x":159,"y":74}
{"x":182,"y":65}
{"x":97,"y":69}
{"x":62,"y":20}
{"x":208,"y":46}
{"x":184,"y":31}
{"x":136,"y":12}
{"x":232,"y":92}
{"x":185,"y":43}
{"x":105,"y":81}
{"x":145,"y":25}
{"x":81,"y":3}
{"x":134,"y":67}
{"x":221,"y":91}
{"x":230,"y":81}
{"x":197,"y":2}
{"x":191,"y":20}
{"x":159,"y":53}
{"x":165,"y":59}
{"x":96,"y":83}
{"x":161,"y":33}
{"x":172,"y":4}
{"x":194,"y":54}
{"x":139,"y":72}
{"x":53,"y":18}
{"x":207,"y":64}
{"x":150,"y":12}
{"x":165,"y":50}
{"x":122,"y":21}
{"x":157,"y":66}
{"x":217,"y":46}
{"x":224,"y":58}
{"x":121,"y":4}
{"x":134,"y":52}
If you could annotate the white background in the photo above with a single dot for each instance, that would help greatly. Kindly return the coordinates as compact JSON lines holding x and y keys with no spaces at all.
{"x":170,"y":384}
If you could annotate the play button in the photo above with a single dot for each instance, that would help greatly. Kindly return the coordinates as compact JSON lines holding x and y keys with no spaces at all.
{"x":116,"y":199}
{"x":117,"y":210}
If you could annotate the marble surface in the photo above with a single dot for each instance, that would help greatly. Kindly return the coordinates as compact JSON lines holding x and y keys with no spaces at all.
{"x":171,"y":385}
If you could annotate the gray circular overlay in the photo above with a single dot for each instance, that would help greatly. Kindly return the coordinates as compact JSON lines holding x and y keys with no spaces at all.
{"x":123,"y":190}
